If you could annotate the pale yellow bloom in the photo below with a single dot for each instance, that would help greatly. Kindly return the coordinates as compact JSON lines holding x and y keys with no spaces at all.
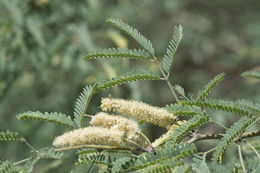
{"x":90,"y":135}
{"x":139,"y":110}
{"x":128,"y":126}
{"x":167,"y":135}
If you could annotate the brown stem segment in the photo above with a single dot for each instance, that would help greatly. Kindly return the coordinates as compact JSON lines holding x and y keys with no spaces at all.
{"x":198,"y":137}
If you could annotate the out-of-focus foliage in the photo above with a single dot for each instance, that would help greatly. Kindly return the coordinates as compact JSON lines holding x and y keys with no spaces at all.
{"x":43,"y":42}
{"x":255,"y":73}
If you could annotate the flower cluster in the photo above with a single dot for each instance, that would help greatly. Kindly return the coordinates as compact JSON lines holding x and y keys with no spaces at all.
{"x":106,"y":120}
{"x":90,"y":135}
{"x":167,"y":135}
{"x":139,"y":110}
{"x":113,"y":130}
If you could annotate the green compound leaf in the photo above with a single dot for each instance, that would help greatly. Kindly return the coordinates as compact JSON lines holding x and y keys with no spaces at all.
{"x":252,"y":106}
{"x":127,"y":77}
{"x":9,"y":136}
{"x":167,"y":165}
{"x":179,"y":151}
{"x":144,"y":42}
{"x":119,"y":53}
{"x":49,"y":153}
{"x":238,"y":128}
{"x":182,"y":169}
{"x":28,"y":166}
{"x":101,"y":157}
{"x":94,"y":158}
{"x":6,"y":166}
{"x":45,"y":153}
{"x":114,"y":152}
{"x":183,"y":110}
{"x":86,"y":151}
{"x":184,"y":128}
{"x":252,"y":74}
{"x":53,"y":117}
{"x":228,"y":106}
{"x":200,"y":166}
{"x":121,"y":163}
{"x":180,"y":90}
{"x":210,"y":86}
{"x":252,"y":165}
{"x":162,"y":159}
{"x":82,"y":104}
{"x":172,"y":49}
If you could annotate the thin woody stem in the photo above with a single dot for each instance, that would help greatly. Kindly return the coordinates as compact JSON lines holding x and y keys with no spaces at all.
{"x":22,"y":161}
{"x":30,"y":146}
{"x":249,"y":135}
{"x":172,"y":89}
{"x":99,"y":147}
{"x":198,"y":137}
{"x":241,"y":158}
{"x":29,"y":158}
{"x":86,"y":115}
{"x":207,"y":152}
{"x":166,"y":79}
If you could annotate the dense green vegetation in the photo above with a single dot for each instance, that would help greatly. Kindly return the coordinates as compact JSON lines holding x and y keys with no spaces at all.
{"x":42,"y":68}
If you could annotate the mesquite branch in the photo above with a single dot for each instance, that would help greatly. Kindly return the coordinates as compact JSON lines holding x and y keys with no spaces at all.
{"x":195,"y":137}
{"x":198,"y":137}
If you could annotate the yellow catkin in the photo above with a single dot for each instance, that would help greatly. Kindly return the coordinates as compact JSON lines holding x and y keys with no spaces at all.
{"x":90,"y":135}
{"x":128,"y":126}
{"x":139,"y":110}
{"x":167,"y":135}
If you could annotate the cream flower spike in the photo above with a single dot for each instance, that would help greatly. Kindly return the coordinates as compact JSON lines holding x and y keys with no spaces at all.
{"x":128,"y":126}
{"x":139,"y":110}
{"x":167,"y":135}
{"x":90,"y":135}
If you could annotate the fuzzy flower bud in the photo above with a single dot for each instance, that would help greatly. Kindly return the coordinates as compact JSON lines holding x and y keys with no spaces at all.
{"x":139,"y":110}
{"x":167,"y":135}
{"x":128,"y":126}
{"x":90,"y":135}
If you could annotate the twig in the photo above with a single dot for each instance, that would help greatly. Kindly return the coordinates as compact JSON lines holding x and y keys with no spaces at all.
{"x":166,"y":79}
{"x":86,"y":115}
{"x":172,"y":89}
{"x":197,"y":136}
{"x":207,"y":152}
{"x":98,"y":147}
{"x":29,"y":158}
{"x":241,"y":159}
{"x":248,"y":135}
{"x":30,"y":146}
{"x":22,"y":161}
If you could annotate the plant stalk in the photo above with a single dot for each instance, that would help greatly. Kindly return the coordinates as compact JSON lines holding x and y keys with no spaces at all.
{"x":241,"y":159}
{"x":99,"y":147}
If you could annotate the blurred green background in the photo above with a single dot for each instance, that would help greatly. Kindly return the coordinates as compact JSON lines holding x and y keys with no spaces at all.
{"x":43,"y":42}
